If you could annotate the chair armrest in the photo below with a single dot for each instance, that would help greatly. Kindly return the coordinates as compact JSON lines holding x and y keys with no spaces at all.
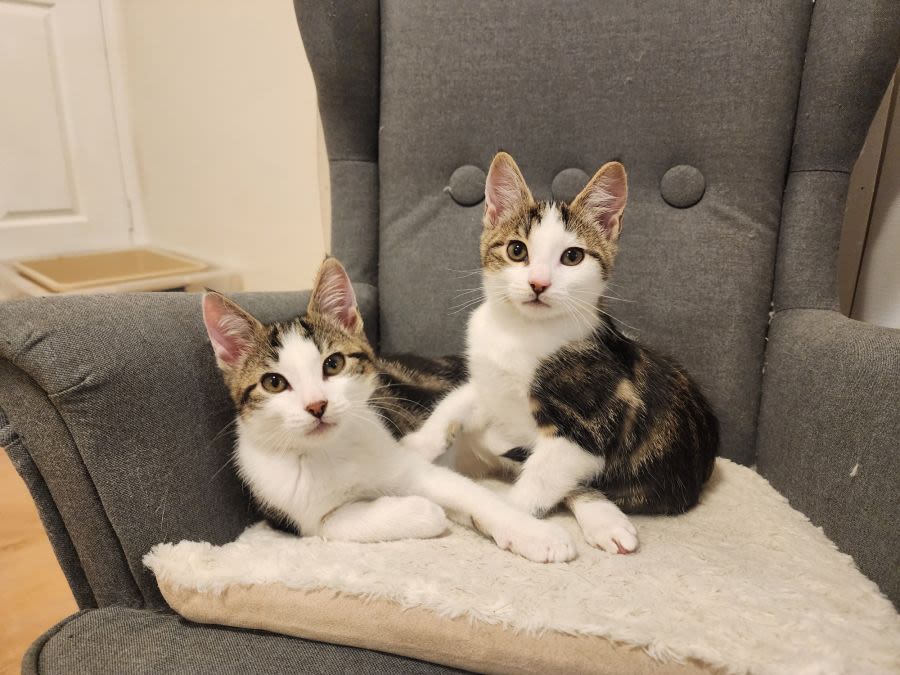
{"x":829,"y":432}
{"x":119,"y":421}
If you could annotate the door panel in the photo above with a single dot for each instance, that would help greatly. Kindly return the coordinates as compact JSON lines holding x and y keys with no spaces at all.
{"x":61,"y":184}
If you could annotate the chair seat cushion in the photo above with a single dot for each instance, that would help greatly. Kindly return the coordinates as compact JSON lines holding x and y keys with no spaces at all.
{"x":742,"y":583}
{"x":118,"y":640}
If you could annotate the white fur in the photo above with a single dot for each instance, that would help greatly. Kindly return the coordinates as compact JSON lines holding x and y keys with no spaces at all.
{"x":603,"y":524}
{"x":555,"y":467}
{"x":507,"y":338}
{"x":743,"y":582}
{"x":386,"y":519}
{"x":351,"y":480}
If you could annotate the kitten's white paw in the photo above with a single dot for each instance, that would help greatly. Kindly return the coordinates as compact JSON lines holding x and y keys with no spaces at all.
{"x":526,"y":501}
{"x":429,"y":446}
{"x":422,"y":517}
{"x":537,"y":540}
{"x":607,"y":528}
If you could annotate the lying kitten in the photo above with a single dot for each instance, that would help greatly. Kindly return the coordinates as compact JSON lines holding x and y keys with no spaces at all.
{"x":312,"y":443}
{"x":584,"y":415}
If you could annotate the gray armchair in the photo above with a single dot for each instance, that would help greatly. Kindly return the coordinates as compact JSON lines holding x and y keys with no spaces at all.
{"x":739,"y":124}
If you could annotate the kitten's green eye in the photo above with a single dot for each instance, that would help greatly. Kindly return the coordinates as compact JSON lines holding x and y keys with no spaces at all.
{"x":333,"y":364}
{"x":516,"y":251}
{"x":572,"y":256}
{"x":274,"y":383}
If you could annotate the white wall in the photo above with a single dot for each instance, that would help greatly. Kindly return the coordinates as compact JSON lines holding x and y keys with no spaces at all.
{"x":860,"y":195}
{"x":877,"y":297}
{"x":223,"y":119}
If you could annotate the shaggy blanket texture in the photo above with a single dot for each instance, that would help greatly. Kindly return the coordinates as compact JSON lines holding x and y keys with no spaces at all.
{"x":743,"y":582}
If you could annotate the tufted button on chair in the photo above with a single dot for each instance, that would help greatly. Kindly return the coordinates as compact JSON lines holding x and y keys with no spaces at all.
{"x":682,"y":186}
{"x":467,"y":185}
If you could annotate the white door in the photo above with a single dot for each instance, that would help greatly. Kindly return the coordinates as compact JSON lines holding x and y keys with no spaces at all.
{"x":61,"y":179}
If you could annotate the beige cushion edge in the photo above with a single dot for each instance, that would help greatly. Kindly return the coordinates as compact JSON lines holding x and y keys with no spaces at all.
{"x":381,"y":625}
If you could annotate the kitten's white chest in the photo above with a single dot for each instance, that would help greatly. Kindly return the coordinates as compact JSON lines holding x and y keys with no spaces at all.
{"x":310,"y":485}
{"x":278,"y":480}
{"x":503,"y":357}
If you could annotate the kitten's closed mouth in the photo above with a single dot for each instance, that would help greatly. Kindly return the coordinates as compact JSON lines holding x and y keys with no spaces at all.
{"x":536,"y":302}
{"x":320,"y":428}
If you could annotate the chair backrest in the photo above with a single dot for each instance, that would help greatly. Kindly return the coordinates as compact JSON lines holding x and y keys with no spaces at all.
{"x":699,"y":100}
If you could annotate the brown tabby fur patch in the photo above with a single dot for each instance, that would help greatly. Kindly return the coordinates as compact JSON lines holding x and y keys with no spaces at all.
{"x":636,"y":409}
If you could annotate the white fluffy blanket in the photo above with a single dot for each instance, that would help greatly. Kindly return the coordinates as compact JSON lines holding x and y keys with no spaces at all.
{"x":742,"y":582}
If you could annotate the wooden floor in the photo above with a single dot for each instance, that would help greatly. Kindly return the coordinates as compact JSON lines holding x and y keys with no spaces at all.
{"x":33,"y":592}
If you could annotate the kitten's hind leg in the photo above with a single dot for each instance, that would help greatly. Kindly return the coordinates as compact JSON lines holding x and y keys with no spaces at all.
{"x":602,"y":522}
{"x":385,"y":519}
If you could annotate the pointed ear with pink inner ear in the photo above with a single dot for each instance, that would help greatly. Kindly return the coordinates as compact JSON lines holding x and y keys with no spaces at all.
{"x":602,"y":201}
{"x":333,"y":296}
{"x":231,"y":330}
{"x":504,"y":189}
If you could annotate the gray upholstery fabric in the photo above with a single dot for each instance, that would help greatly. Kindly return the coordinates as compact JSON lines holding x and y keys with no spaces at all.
{"x":342,"y":42}
{"x":467,"y":185}
{"x":852,"y":53}
{"x":354,"y":240}
{"x":841,"y":90}
{"x":118,"y":641}
{"x":568,"y":183}
{"x":682,"y":186}
{"x":50,"y":517}
{"x":121,"y":408}
{"x":56,"y":463}
{"x":573,"y":86}
{"x":829,"y":436}
{"x":805,"y":273}
{"x":831,"y":385}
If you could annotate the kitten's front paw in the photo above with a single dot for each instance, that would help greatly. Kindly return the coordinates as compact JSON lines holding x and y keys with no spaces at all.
{"x":429,"y":446}
{"x":607,"y":528}
{"x":537,"y":541}
{"x":526,"y":501}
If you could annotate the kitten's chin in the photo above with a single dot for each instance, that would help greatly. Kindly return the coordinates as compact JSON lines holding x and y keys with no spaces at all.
{"x":320,"y":429}
{"x":296,"y":438}
{"x":537,"y":310}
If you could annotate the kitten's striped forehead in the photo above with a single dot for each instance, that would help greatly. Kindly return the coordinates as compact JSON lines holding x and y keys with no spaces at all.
{"x":559,"y":215}
{"x":281,"y":331}
{"x":320,"y":330}
{"x":542,"y":212}
{"x":299,"y":349}
{"x":305,"y":340}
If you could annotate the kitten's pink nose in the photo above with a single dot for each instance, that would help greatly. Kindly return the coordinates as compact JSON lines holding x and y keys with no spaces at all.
{"x":317,"y":409}
{"x":538,"y":287}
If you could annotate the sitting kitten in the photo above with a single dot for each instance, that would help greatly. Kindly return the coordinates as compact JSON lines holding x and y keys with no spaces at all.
{"x":584,"y":415}
{"x":313,"y":448}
